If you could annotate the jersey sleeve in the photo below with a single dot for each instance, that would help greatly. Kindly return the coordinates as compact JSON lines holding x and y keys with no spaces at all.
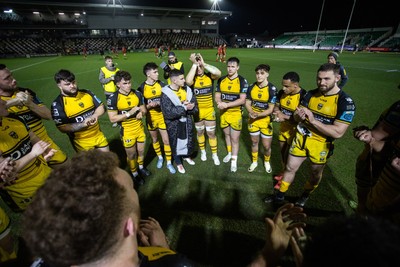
{"x":244,"y":85}
{"x":346,"y":109}
{"x":112,"y":102}
{"x":248,"y":93}
{"x":140,"y":96}
{"x":272,"y":94}
{"x":58,"y":113}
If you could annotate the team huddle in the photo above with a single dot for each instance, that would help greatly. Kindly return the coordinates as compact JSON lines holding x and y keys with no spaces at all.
{"x":309,"y":121}
{"x":174,"y":112}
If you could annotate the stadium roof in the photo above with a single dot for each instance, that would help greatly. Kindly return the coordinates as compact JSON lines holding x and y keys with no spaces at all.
{"x":111,"y":7}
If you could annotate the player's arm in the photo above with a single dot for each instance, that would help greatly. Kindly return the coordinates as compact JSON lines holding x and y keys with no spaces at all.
{"x":217,"y":97}
{"x":39,"y":147}
{"x":72,"y":127}
{"x":384,"y":130}
{"x":8,"y":172}
{"x":279,"y":115}
{"x":115,"y":117}
{"x":215,"y":72}
{"x":192,"y":72}
{"x":268,"y":111}
{"x":249,"y":108}
{"x":100,"y":110}
{"x":335,"y":130}
{"x":39,"y":109}
{"x":13,"y":102}
{"x":142,"y":112}
{"x":238,"y":102}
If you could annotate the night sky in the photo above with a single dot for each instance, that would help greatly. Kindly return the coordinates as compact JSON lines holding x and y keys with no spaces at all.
{"x":279,"y":16}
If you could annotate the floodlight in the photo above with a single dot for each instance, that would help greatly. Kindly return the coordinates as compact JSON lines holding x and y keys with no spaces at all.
{"x":8,"y":11}
{"x":215,"y":5}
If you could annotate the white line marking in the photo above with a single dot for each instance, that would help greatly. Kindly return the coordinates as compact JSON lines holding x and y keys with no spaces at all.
{"x":27,"y":66}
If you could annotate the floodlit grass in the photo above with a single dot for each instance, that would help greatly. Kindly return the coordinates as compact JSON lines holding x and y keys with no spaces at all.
{"x":214,"y":216}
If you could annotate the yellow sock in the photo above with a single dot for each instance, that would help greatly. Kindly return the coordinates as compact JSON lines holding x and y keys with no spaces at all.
{"x":168,"y":152}
{"x":202,"y":141}
{"x":157,"y":148}
{"x":284,"y":187}
{"x":213,"y":145}
{"x":140,"y":160}
{"x":132,"y":165}
{"x":254,"y":156}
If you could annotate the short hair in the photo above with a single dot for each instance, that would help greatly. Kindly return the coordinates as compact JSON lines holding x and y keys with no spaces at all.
{"x":233,"y":59}
{"x":149,"y":66}
{"x":174,"y":73}
{"x":330,"y":67}
{"x":292,"y":76}
{"x":74,"y":217}
{"x":265,"y":67}
{"x":107,"y":57}
{"x":64,"y":75}
{"x":121,"y":74}
{"x":369,"y":241}
{"x":3,"y":66}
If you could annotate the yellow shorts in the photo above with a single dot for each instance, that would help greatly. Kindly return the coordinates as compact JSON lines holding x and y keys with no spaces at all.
{"x":207,"y":114}
{"x":287,"y":132}
{"x":59,"y":157}
{"x":23,"y":190}
{"x":132,"y":136}
{"x":315,"y":150}
{"x":232,"y":119}
{"x":156,"y":121}
{"x":97,"y":141}
{"x":262,"y":125}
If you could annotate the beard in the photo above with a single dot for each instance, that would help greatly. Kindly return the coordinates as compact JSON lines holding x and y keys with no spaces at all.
{"x":68,"y":93}
{"x":9,"y":90}
{"x":325,"y":89}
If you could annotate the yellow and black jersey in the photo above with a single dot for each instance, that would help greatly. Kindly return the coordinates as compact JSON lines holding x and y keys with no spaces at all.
{"x":261,"y":97}
{"x":289,"y":103}
{"x":75,"y":109}
{"x":152,"y":93}
{"x":34,"y":121}
{"x":181,"y":94}
{"x":121,"y":103}
{"x":15,"y":143}
{"x":231,"y":89}
{"x":203,"y":88}
{"x":328,"y":108}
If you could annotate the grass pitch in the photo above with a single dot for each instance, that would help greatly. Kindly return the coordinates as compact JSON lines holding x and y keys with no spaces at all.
{"x":214,"y":216}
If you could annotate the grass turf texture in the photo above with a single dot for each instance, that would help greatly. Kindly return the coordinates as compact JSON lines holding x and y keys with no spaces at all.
{"x":214,"y":216}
